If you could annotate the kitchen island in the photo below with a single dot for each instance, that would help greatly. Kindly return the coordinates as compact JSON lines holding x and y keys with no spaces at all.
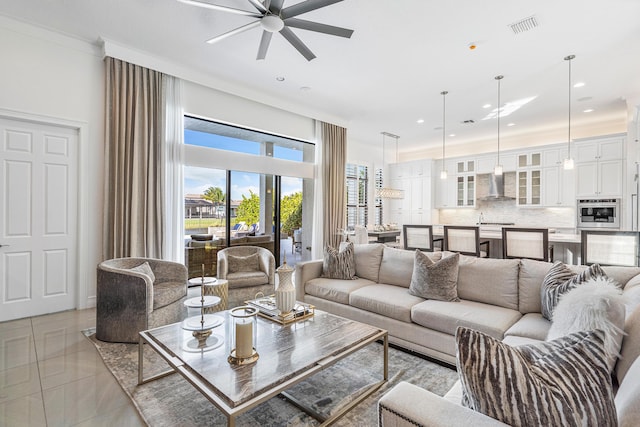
{"x":566,"y":245}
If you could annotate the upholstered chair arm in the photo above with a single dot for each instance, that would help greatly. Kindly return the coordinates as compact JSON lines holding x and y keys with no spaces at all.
{"x":140,"y":284}
{"x":223,"y":264}
{"x":167,"y":271}
{"x":268,"y":265}
{"x":410,"y":405}
{"x":306,"y":271}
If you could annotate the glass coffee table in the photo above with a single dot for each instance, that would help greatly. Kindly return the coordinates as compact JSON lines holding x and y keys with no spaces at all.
{"x":299,"y":351}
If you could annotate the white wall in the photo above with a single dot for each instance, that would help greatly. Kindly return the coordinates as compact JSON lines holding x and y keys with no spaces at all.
{"x":54,"y":77}
{"x":49,"y":75}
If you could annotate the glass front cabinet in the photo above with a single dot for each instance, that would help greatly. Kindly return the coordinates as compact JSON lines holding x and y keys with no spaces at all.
{"x":529,"y":183}
{"x":466,"y":184}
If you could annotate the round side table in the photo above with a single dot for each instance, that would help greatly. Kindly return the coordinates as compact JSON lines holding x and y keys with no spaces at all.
{"x":218,"y":288}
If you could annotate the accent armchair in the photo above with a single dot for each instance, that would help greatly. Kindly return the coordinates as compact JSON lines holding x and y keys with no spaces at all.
{"x":130,"y":298}
{"x":249,"y":270}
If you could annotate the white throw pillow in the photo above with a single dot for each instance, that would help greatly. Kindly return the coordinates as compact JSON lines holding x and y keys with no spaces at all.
{"x":596,"y":304}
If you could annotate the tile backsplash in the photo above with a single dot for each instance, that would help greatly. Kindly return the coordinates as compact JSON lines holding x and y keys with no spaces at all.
{"x":506,"y":211}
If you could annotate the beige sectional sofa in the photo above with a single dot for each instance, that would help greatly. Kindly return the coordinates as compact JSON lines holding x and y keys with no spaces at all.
{"x":500,"y":297}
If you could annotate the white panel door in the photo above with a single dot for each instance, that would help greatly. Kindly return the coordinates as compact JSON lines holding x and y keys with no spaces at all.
{"x":38,"y":218}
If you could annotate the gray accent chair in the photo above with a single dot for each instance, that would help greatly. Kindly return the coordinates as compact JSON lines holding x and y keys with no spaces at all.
{"x":129,"y":302}
{"x":246,"y":283}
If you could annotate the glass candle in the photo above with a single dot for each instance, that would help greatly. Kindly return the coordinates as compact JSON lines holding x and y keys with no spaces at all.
{"x":243,"y":333}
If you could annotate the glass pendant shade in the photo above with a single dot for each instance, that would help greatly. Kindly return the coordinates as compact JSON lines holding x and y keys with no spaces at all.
{"x":443,"y":174}
{"x":568,"y":163}
{"x":497,"y":170}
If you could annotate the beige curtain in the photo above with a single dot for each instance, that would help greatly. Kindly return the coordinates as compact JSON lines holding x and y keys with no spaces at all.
{"x":334,"y":158}
{"x":134,"y":161}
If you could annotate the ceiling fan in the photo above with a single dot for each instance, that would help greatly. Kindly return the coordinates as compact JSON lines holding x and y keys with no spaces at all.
{"x":272,"y":17}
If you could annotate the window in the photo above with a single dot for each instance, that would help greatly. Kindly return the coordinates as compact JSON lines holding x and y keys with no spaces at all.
{"x":379,"y":182}
{"x":357,"y":195}
{"x":232,"y":179}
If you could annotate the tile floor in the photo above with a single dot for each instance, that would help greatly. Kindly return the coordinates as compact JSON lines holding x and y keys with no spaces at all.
{"x":51,"y":375}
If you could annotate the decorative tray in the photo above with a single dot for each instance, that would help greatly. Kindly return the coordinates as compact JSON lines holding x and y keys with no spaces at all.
{"x":267,"y":308}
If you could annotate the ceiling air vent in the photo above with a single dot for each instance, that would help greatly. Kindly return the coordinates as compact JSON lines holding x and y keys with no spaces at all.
{"x":523,"y":25}
{"x":468,"y":122}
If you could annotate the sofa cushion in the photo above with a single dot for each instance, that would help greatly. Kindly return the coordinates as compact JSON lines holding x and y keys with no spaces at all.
{"x":247,"y":278}
{"x":249,"y":263}
{"x":166,"y":293}
{"x":528,"y":385}
{"x":334,"y":289}
{"x":595,"y":305}
{"x":339,"y":264}
{"x":446,"y":316}
{"x":396,"y":266}
{"x":367,"y":257}
{"x":488,"y":280}
{"x":259,"y":239}
{"x":561,"y":279}
{"x":630,"y":350}
{"x":531,"y":325}
{"x":389,"y":301}
{"x":628,"y":399}
{"x":435,"y":279}
{"x":530,"y":278}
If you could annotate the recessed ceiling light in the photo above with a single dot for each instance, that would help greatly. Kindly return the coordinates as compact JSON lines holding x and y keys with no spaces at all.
{"x":511,"y":124}
{"x":452,"y":135}
{"x":437,"y":128}
{"x":579,"y":84}
{"x":280,"y":78}
{"x":588,"y":110}
{"x":305,"y":88}
{"x":486,"y":106}
{"x":420,"y":121}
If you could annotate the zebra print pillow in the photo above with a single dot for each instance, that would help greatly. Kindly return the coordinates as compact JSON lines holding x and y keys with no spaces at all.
{"x":556,"y":383}
{"x":339,"y":264}
{"x":559,"y":280}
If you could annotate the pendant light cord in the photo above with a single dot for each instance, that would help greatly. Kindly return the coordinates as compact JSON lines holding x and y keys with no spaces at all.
{"x":444,"y":110}
{"x":498,"y":78}
{"x":569,"y":58}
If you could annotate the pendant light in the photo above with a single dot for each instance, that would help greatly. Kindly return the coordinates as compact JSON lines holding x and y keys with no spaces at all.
{"x":443,"y":173}
{"x":388,"y":192}
{"x":498,"y":169}
{"x":568,"y":162}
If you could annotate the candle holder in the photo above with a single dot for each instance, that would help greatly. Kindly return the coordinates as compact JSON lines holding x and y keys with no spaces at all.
{"x":242,"y":336}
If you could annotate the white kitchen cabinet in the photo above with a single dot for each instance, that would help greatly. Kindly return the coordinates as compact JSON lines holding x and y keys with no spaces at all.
{"x":554,"y":156}
{"x":600,"y":149}
{"x":486,"y":163}
{"x":599,"y":167}
{"x":465,"y":190}
{"x":446,"y":192}
{"x":558,"y":187}
{"x":599,"y":179}
{"x":529,"y":179}
{"x":465,"y":166}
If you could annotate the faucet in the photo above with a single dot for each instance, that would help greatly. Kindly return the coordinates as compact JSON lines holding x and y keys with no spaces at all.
{"x":480,"y":218}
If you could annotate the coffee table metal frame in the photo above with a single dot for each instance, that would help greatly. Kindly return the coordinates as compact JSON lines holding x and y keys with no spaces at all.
{"x":179,"y":366}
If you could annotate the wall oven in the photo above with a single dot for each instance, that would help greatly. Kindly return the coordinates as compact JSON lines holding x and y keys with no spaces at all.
{"x":599,"y":213}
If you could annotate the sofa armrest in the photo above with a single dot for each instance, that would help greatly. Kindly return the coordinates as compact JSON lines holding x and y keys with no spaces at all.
{"x":268,"y":265}
{"x":409,"y":405}
{"x":306,"y":271}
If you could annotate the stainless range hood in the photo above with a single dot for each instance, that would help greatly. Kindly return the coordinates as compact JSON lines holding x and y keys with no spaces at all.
{"x":496,"y":189}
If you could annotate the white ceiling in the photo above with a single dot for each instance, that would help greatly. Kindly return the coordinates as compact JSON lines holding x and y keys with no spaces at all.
{"x":401,"y":56}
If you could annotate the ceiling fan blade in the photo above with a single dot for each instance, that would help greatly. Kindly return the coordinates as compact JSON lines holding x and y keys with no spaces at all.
{"x":234,"y":32}
{"x":264,"y":44}
{"x":258,"y":5}
{"x":305,"y":6}
{"x":318,"y":27}
{"x":275,"y":6}
{"x":297,"y":43}
{"x":220,"y":8}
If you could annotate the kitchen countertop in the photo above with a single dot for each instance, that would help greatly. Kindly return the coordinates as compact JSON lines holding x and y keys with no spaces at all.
{"x":494,"y":231}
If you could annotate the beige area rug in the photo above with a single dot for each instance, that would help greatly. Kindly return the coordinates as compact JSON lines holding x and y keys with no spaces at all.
{"x":172,"y":401}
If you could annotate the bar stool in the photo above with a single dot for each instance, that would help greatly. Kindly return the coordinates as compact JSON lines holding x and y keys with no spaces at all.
{"x":530,"y":243}
{"x":465,"y":240}
{"x":610,"y":247}
{"x":419,"y":237}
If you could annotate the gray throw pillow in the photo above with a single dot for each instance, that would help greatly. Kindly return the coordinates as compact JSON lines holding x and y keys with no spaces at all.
{"x":339,"y":264}
{"x":557,"y":383}
{"x":145,"y":268}
{"x":561,"y":279}
{"x":435,"y":280}
{"x":237,"y":264}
